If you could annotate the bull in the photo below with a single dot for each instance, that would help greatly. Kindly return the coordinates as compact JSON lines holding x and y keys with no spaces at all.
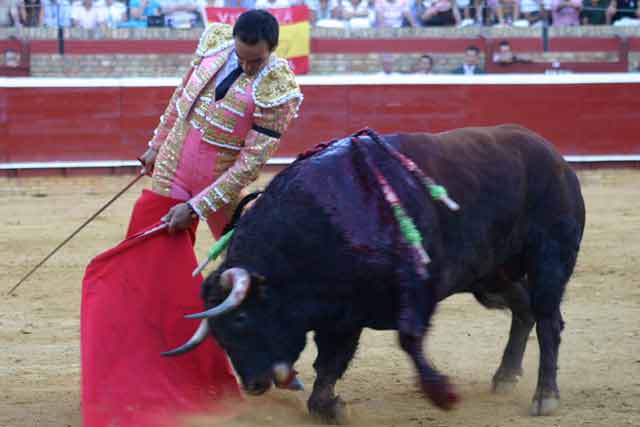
{"x":320,"y":251}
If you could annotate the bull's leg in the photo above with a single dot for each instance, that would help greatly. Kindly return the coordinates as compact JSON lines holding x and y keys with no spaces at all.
{"x":547,"y":396}
{"x":335,"y":351}
{"x":549,"y":273}
{"x":417,"y":304}
{"x":517,"y":299}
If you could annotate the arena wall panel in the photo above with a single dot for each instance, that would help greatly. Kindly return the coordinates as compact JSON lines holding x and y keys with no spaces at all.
{"x":48,"y":120}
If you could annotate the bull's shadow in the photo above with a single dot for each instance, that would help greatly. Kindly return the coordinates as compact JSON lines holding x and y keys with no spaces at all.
{"x":322,"y":251}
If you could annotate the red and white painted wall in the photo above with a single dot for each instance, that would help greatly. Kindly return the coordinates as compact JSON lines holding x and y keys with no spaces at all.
{"x":106,"y":122}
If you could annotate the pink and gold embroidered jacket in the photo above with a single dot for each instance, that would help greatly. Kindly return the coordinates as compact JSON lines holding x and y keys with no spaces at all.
{"x":245,"y":125}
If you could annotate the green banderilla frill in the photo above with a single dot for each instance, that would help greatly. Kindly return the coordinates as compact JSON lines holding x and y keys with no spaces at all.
{"x":219,"y":246}
{"x":214,"y":252}
{"x":411,"y":233}
{"x":438,"y":192}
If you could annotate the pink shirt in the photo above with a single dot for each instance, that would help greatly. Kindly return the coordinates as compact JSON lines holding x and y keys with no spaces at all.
{"x":565,"y":15}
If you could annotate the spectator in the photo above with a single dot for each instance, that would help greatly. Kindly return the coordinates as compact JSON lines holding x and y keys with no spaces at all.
{"x":504,"y":55}
{"x":57,"y":13}
{"x":505,"y":12}
{"x":183,"y":13}
{"x":387,"y":65}
{"x":11,"y":58}
{"x":393,"y":14}
{"x":114,"y":12}
{"x":619,"y":9}
{"x":594,"y":12}
{"x":465,"y":11}
{"x":424,"y":65}
{"x":325,"y":13}
{"x":532,"y":11}
{"x":31,"y":13}
{"x":566,"y":12}
{"x":355,"y":13}
{"x":245,"y":4}
{"x":87,"y":15}
{"x":437,"y":13}
{"x":471,"y":64}
{"x":272,"y":4}
{"x":9,"y":15}
{"x":141,"y":10}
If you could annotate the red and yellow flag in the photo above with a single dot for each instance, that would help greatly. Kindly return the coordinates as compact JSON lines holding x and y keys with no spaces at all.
{"x":295,"y":31}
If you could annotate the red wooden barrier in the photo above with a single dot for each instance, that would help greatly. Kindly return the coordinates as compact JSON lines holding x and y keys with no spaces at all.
{"x":43,"y":124}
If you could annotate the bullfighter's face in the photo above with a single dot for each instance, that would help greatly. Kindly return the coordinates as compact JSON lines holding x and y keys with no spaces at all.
{"x":262,"y":332}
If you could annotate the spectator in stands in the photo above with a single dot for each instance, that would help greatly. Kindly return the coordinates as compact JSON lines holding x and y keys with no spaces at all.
{"x":141,"y":10}
{"x":504,"y":54}
{"x":504,"y":12}
{"x":622,"y":9}
{"x":387,"y":65}
{"x":533,"y":11}
{"x":393,"y":14}
{"x":57,"y":13}
{"x":273,"y":4}
{"x":11,"y":58}
{"x":566,"y":12}
{"x":467,"y":11}
{"x":471,"y":64}
{"x":430,"y":13}
{"x":9,"y":15}
{"x":31,"y":13}
{"x":325,"y":13}
{"x":594,"y":12}
{"x":245,"y":4}
{"x":183,"y":13}
{"x":114,"y":12}
{"x":424,"y":65}
{"x":355,"y":13}
{"x":87,"y":15}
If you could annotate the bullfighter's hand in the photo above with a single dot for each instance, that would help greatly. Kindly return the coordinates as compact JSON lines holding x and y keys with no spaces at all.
{"x":148,"y":159}
{"x":179,"y":217}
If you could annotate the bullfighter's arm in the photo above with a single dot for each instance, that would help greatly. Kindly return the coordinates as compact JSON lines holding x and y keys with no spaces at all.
{"x":170,"y":114}
{"x":260,"y":144}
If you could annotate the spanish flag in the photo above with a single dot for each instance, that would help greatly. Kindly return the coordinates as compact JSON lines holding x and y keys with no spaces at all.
{"x":294,"y":44}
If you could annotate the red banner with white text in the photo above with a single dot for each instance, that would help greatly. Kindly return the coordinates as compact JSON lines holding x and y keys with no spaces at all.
{"x":294,"y":44}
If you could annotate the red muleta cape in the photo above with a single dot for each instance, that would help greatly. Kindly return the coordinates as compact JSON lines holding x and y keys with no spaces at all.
{"x":134,"y":297}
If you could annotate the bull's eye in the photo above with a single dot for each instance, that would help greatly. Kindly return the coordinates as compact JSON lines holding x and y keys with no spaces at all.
{"x":240,"y":320}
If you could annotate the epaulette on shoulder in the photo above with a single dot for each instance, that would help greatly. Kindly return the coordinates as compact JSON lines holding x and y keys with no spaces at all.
{"x":275,"y":85}
{"x":214,"y":38}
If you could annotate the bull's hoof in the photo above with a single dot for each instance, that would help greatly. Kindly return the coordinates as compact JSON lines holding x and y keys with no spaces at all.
{"x":333,"y":411}
{"x":545,"y":404}
{"x":503,"y":386}
{"x":440,"y":392}
{"x":504,"y":382}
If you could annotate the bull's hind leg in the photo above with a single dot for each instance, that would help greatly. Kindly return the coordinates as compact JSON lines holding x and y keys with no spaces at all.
{"x":517,"y":299}
{"x":335,"y":351}
{"x":550,"y":270}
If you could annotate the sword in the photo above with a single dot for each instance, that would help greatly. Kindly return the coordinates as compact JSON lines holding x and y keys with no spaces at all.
{"x":142,"y":173}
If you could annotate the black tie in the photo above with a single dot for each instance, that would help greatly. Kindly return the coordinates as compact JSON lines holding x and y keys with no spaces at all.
{"x":223,"y":87}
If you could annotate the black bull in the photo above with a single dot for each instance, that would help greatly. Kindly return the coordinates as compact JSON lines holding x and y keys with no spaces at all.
{"x":320,"y":251}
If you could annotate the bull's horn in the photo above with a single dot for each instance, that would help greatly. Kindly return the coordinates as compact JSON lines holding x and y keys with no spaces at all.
{"x":238,"y":280}
{"x":194,"y":341}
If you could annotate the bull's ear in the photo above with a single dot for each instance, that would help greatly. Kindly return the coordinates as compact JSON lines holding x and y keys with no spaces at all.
{"x":258,"y":282}
{"x":257,"y":279}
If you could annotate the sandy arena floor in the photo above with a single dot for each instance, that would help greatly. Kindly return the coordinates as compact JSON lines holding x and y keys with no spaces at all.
{"x":599,"y":373}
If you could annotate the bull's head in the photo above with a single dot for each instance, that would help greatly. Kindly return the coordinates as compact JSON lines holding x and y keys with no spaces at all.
{"x":258,"y":330}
